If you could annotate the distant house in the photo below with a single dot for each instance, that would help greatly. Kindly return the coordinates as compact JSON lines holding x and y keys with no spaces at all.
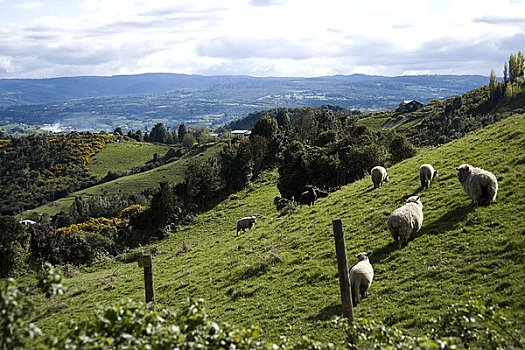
{"x":240,"y":133}
{"x":27,"y":222}
{"x":409,"y":106}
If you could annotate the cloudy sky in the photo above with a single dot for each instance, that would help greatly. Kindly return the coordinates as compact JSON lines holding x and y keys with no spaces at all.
{"x":49,"y":38}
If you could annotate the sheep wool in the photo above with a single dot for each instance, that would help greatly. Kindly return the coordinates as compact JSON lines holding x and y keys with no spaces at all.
{"x":361,"y":276}
{"x":480,"y":185}
{"x":427,"y":173}
{"x":406,"y":220}
{"x":379,"y":175}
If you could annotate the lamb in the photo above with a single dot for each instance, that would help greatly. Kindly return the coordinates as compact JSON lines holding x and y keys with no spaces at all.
{"x":480,"y":185}
{"x":379,"y":175}
{"x":361,"y":276}
{"x":406,"y":220}
{"x":246,"y":223}
{"x":427,"y":173}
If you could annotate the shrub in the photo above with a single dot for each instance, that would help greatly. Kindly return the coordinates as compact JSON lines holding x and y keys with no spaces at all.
{"x":132,"y":325}
{"x":15,"y":309}
{"x":14,"y":247}
{"x":469,"y":326}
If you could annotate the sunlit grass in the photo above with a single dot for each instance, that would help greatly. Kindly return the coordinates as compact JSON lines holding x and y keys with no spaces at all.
{"x":282,"y":274}
{"x":123,"y":156}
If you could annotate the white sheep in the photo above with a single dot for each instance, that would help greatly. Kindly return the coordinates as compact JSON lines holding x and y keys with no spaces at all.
{"x":427,"y":173}
{"x":246,"y":223}
{"x":379,"y":175}
{"x":406,"y":220}
{"x":361,"y":276}
{"x":480,"y":185}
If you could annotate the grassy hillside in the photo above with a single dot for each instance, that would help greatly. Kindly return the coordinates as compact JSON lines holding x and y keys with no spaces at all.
{"x":282,"y":274}
{"x":124,"y":156}
{"x":132,"y":184}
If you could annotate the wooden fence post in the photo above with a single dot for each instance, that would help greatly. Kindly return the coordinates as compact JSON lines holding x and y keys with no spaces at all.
{"x":342,"y":267}
{"x":146,"y":263}
{"x":344,"y":282}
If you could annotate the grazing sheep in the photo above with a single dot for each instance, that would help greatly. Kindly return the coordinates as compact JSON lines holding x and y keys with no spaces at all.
{"x":480,"y":185}
{"x":309,"y":196}
{"x":406,"y":220}
{"x":361,"y":276}
{"x":427,"y":173}
{"x":379,"y":175}
{"x":246,"y":223}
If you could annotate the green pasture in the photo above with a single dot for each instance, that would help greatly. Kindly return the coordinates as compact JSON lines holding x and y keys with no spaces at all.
{"x":121,"y":157}
{"x":282,"y":274}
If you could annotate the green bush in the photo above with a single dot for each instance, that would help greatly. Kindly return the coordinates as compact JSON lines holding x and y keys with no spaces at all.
{"x":469,"y":326}
{"x":15,"y":309}
{"x":133,"y":325}
{"x":14,"y":247}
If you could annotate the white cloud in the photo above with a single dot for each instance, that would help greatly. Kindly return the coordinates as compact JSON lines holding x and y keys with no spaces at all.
{"x":29,"y":6}
{"x":258,"y":37}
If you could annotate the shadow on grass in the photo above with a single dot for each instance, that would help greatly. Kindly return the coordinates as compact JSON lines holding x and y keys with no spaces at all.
{"x":248,"y":273}
{"x":448,"y":221}
{"x":383,"y":252}
{"x":327,"y":313}
{"x":418,"y":191}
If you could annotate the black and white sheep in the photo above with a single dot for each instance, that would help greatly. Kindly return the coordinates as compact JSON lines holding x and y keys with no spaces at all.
{"x":379,"y":175}
{"x":406,"y":220}
{"x":427,"y":173}
{"x":480,"y":185}
{"x":361,"y":276}
{"x":246,"y":223}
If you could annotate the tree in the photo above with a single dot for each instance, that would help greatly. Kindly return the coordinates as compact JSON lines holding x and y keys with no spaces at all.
{"x":181,"y":132}
{"x":306,"y":127}
{"x":203,"y":183}
{"x":400,"y":148}
{"x":265,"y":134}
{"x":14,"y":246}
{"x":189,"y":140}
{"x":266,"y":127}
{"x":293,"y":170}
{"x":237,"y":164}
{"x":505,"y":73}
{"x":202,"y":135}
{"x":118,"y":131}
{"x":164,"y":206}
{"x":493,"y":84}
{"x":509,"y":91}
{"x":158,"y":133}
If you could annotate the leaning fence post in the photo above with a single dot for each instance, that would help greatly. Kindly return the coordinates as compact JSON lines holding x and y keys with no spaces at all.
{"x":344,"y":283}
{"x":145,"y":262}
{"x":342,"y":267}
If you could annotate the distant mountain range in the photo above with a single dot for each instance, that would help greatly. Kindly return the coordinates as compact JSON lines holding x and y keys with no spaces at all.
{"x":139,"y":101}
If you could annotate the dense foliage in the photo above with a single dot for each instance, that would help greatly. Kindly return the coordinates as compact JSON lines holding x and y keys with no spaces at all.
{"x":38,"y":168}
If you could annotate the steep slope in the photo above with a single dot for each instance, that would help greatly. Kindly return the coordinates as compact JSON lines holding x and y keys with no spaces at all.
{"x":282,"y":274}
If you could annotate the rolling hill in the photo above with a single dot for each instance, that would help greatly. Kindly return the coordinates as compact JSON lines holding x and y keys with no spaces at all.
{"x":139,"y":101}
{"x":282,"y":274}
{"x":135,"y":154}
